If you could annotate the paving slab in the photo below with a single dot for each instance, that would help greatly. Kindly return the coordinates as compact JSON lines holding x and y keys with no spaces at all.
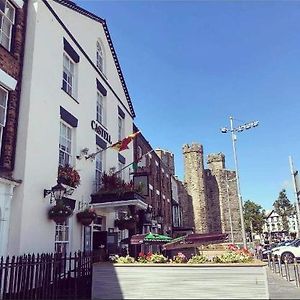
{"x":280,"y":288}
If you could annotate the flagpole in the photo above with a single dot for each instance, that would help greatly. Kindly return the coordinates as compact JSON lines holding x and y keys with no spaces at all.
{"x":92,"y":155}
{"x":128,"y":139}
{"x":133,"y":162}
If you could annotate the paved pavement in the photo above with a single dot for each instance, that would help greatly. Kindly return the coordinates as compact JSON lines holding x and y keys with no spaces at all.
{"x":280,"y":288}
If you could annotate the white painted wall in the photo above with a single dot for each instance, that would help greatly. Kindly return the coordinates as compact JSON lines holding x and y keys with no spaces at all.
{"x":38,"y":135}
{"x":274,"y":223}
{"x":6,"y":193}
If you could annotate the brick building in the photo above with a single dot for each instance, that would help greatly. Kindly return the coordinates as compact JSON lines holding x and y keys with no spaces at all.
{"x":12,"y":35}
{"x":154,"y":175}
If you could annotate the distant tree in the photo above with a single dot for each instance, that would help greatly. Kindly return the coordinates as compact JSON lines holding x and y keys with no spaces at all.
{"x":254,"y":216}
{"x":284,"y":208}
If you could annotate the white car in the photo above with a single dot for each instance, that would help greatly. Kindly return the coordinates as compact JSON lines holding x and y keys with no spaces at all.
{"x":288,"y":252}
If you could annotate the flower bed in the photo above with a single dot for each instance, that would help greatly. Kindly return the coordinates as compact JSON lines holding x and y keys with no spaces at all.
{"x":232,"y":255}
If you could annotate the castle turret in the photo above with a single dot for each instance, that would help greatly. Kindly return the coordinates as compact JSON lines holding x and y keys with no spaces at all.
{"x":194,"y":179}
{"x":216,"y":161}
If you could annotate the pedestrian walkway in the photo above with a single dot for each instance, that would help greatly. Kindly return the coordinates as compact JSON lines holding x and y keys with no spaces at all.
{"x":279,"y":288}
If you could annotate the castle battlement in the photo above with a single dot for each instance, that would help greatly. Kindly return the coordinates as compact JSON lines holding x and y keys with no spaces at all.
{"x":216,"y":161}
{"x":194,"y":147}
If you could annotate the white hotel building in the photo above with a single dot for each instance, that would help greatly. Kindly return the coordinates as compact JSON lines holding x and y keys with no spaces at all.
{"x":72,"y":83}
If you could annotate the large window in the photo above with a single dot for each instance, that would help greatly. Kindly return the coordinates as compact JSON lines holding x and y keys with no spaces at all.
{"x":65,"y":144}
{"x":7,"y":20}
{"x":99,"y":168}
{"x":3,"y":107}
{"x":62,"y":237}
{"x":120,"y":170}
{"x":100,"y":108}
{"x":68,"y":83}
{"x":100,"y":57}
{"x":120,"y":128}
{"x":141,"y":157}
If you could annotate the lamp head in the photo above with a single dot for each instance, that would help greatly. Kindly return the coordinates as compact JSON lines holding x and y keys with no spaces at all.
{"x":58,"y":191}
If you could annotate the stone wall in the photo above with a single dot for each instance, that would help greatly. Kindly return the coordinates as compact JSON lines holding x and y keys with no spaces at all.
{"x":186,"y":204}
{"x":214,"y":193}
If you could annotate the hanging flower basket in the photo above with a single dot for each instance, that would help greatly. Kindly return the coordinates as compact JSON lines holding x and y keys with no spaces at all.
{"x":86,"y":217}
{"x":59,"y":213}
{"x":69,"y":176}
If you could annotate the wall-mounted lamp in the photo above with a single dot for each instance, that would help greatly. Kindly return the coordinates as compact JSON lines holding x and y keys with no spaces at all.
{"x":56,"y":191}
{"x":83,"y":153}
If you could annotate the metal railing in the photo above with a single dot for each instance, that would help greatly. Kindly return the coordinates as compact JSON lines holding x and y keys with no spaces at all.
{"x":290,"y":271}
{"x":47,"y":276}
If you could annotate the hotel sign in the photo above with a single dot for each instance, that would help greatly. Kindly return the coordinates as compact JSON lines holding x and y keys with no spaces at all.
{"x":101,"y":131}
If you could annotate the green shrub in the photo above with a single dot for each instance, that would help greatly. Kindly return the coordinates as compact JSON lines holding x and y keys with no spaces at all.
{"x":198,"y":259}
{"x":123,"y":259}
{"x":232,"y":257}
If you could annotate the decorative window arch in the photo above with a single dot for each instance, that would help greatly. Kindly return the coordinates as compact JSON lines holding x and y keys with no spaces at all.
{"x":100,"y":61}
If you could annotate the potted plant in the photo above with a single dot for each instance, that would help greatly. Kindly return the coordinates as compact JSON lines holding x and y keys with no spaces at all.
{"x":125,"y":223}
{"x":113,"y":188}
{"x":87,"y":216}
{"x":69,"y":176}
{"x":59,"y":213}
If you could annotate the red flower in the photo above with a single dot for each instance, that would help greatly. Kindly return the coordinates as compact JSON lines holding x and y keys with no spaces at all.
{"x":68,"y":175}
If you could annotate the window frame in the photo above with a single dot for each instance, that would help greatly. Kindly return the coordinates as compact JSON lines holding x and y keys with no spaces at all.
{"x":100,"y":57}
{"x":2,"y":126}
{"x":67,"y":70}
{"x":99,"y":171}
{"x":71,"y":140}
{"x":11,"y":23}
{"x":121,"y":174}
{"x":101,"y":117}
{"x":121,"y":128}
{"x":64,"y":243}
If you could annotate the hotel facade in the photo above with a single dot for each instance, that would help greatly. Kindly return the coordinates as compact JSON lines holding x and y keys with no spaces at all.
{"x":74,"y":104}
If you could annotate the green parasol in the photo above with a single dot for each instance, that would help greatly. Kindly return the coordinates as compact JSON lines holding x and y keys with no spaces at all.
{"x":155,"y":237}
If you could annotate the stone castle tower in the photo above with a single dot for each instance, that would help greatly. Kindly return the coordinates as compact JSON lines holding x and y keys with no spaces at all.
{"x":195,"y":183}
{"x":214,"y":192}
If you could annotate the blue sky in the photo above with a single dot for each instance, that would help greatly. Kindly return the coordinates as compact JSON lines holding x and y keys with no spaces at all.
{"x":189,"y":65}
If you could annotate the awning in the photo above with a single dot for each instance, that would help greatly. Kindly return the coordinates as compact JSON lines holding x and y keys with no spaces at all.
{"x":195,"y":240}
{"x":149,"y":238}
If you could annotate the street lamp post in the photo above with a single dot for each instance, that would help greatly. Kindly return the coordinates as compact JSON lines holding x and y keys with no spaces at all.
{"x":234,"y":138}
{"x":297,"y":193}
{"x":229,"y":209}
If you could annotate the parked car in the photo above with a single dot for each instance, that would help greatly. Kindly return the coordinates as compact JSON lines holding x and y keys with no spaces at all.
{"x":270,"y":248}
{"x":288,"y":252}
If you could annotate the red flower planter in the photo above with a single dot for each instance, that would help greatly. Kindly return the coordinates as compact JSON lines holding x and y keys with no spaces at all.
{"x":59,"y":213}
{"x":86,"y":217}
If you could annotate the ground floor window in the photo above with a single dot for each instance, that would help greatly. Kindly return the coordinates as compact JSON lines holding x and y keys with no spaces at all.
{"x":87,"y":237}
{"x":62,"y":237}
